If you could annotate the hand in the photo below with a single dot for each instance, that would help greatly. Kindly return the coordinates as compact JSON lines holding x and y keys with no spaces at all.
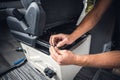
{"x":60,"y":40}
{"x":62,"y":57}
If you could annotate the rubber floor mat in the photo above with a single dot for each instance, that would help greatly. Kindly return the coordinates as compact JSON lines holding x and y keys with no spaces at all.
{"x":9,"y":56}
{"x":104,"y":75}
{"x":86,"y":73}
{"x":25,"y":72}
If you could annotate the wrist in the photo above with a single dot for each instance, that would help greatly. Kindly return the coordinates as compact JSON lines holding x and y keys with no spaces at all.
{"x":80,"y":60}
{"x":72,"y":38}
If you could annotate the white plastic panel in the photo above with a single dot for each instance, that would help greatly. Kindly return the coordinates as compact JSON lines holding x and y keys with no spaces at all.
{"x":41,"y":61}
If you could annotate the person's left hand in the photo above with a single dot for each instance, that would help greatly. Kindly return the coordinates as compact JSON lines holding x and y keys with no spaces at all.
{"x":62,"y":57}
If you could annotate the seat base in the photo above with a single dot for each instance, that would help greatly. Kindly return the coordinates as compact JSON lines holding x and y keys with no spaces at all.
{"x":25,"y":38}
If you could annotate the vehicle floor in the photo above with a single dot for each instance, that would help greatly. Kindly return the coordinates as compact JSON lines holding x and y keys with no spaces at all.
{"x":86,"y":73}
{"x":24,"y":72}
{"x":8,"y":53}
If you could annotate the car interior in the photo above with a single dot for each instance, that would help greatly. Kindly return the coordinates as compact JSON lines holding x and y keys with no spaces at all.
{"x":25,"y":29}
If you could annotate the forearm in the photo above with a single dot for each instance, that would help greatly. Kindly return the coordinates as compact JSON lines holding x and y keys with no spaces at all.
{"x":91,"y":19}
{"x":103,"y":60}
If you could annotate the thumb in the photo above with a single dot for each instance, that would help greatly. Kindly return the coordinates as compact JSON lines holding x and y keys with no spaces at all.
{"x":61,"y":43}
{"x":57,"y":50}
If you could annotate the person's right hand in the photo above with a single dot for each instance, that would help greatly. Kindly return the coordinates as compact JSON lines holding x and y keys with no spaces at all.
{"x":63,"y":57}
{"x":60,"y":40}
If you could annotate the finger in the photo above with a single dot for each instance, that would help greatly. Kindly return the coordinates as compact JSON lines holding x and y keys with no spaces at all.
{"x":60,"y":52}
{"x":61,"y":43}
{"x":53,"y":40}
{"x":53,"y":52}
{"x":57,"y":50}
{"x":50,"y":40}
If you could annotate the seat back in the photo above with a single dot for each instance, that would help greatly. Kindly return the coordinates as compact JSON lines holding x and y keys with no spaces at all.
{"x":35,"y":19}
